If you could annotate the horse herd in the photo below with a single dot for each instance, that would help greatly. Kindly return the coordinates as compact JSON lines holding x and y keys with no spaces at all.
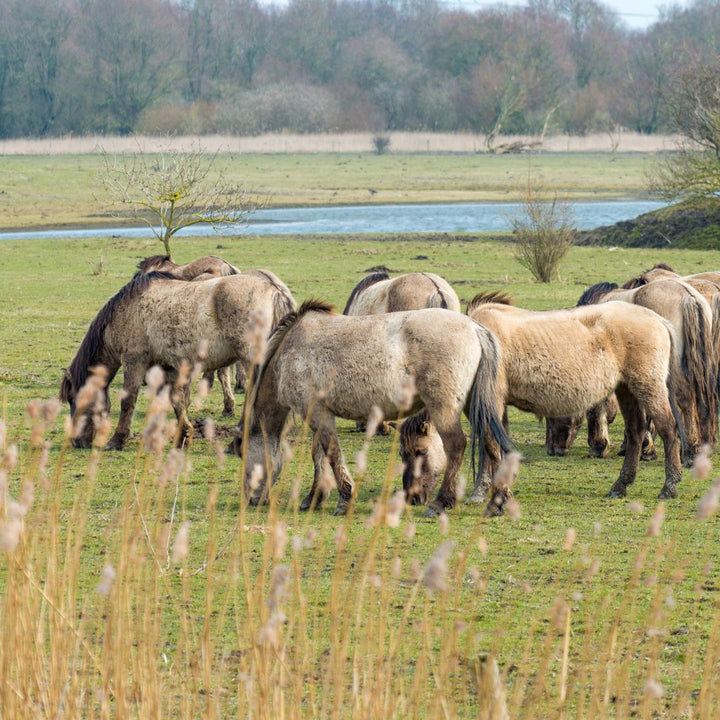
{"x":402,"y":347}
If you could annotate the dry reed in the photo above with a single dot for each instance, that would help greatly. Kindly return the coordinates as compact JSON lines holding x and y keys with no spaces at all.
{"x":287,"y":616}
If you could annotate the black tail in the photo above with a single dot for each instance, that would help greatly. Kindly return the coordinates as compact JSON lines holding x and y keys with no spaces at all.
{"x":483,"y":403}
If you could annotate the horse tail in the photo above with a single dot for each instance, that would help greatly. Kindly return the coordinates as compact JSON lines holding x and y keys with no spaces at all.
{"x":698,"y":363}
{"x":483,"y":408}
{"x":437,"y":299}
{"x":674,"y":376}
{"x":715,"y":345}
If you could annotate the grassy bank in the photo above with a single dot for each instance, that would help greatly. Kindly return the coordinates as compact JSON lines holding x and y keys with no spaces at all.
{"x":111,"y":606}
{"x":64,"y":190}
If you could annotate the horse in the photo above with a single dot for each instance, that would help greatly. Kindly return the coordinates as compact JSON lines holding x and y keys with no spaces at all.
{"x":379,"y":293}
{"x":615,"y":348}
{"x":697,"y":352}
{"x":156,"y":319}
{"x":322,"y":365}
{"x":202,"y":268}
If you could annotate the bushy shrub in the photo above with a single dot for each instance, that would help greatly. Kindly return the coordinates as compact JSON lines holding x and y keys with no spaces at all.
{"x":544,"y":234}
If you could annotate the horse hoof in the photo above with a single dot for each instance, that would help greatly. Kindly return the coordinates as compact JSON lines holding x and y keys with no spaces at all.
{"x":668,"y":493}
{"x":341,"y":510}
{"x":617,"y":493}
{"x":475,"y":498}
{"x":648,"y":457}
{"x":432,"y":512}
{"x":493,"y":510}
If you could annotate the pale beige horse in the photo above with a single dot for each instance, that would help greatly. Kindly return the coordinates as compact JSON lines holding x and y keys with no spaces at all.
{"x":157,"y":319}
{"x":321,"y":365}
{"x":379,"y":293}
{"x":560,"y":363}
{"x":202,"y":268}
{"x":698,"y":350}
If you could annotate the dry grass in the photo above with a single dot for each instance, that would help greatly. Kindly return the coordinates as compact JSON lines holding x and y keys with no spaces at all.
{"x":402,"y":142}
{"x":283,"y":618}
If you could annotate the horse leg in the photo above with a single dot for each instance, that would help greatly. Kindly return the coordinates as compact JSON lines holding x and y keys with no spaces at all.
{"x":598,"y":431}
{"x":223,"y":375}
{"x":453,"y":440}
{"x":635,"y":421}
{"x":668,"y":430}
{"x":133,"y":372}
{"x":180,"y":401}
{"x":649,"y":452}
{"x":326,"y":439}
{"x":319,"y":490}
{"x":240,"y":377}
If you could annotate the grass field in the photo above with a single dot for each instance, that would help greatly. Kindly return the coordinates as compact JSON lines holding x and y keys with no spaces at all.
{"x":142,"y":587}
{"x":65,"y":190}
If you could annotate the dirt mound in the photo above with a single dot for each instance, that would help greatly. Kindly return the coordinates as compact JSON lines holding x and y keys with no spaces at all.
{"x":691,"y":224}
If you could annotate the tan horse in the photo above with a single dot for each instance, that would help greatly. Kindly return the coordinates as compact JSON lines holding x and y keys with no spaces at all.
{"x":321,"y":365}
{"x":697,"y":351}
{"x":379,"y":293}
{"x":203,"y":268}
{"x":628,"y":350}
{"x":157,"y":319}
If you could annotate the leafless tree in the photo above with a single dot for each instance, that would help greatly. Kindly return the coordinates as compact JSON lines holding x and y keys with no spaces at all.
{"x":174,"y":190}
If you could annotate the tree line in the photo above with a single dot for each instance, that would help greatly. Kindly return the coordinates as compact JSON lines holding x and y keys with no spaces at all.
{"x":238,"y":67}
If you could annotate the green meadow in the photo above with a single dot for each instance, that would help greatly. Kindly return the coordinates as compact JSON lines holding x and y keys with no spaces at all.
{"x":57,"y":190}
{"x":138,"y":584}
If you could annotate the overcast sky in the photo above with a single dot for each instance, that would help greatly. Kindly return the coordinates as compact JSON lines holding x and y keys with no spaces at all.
{"x":636,"y":14}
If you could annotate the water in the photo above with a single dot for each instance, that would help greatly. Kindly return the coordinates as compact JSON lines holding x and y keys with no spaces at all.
{"x":352,"y":219}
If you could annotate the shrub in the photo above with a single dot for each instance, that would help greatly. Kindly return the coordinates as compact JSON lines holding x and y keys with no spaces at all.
{"x":544,"y":234}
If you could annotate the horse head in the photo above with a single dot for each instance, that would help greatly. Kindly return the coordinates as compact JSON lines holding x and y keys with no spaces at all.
{"x":423,"y":457}
{"x":86,"y":403}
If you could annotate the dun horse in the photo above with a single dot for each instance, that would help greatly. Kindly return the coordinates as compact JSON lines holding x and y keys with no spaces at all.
{"x":203,"y":268}
{"x":379,"y":293}
{"x":615,"y":347}
{"x":697,"y":353}
{"x":157,"y":319}
{"x":321,"y":365}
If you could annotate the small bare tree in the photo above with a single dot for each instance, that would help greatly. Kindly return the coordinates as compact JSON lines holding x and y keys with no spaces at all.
{"x":544,"y":234}
{"x":172,"y":190}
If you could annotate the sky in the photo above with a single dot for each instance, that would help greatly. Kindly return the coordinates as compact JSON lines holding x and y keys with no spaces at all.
{"x":636,"y":14}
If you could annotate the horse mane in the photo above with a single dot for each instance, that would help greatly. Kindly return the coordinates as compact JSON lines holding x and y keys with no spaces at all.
{"x":365,"y":283}
{"x":93,"y":342}
{"x":413,"y":426}
{"x":493,"y":296}
{"x":275,"y":340}
{"x":593,"y":294}
{"x":146,"y":265}
{"x":662,"y":266}
{"x":635,"y":282}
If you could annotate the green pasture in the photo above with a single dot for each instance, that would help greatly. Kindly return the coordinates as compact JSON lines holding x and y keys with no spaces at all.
{"x":643,"y":606}
{"x":64,"y":190}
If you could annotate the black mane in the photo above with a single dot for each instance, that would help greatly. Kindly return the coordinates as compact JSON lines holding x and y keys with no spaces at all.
{"x":365,"y":283}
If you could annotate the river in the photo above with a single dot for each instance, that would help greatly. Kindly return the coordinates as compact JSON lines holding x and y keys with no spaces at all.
{"x":352,"y":219}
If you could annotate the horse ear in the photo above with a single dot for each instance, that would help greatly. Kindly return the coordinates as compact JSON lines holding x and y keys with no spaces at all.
{"x":425,"y":428}
{"x":392,"y":424}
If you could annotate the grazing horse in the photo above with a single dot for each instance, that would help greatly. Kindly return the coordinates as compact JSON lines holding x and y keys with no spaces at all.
{"x":322,"y":365}
{"x":379,"y":293}
{"x":697,"y":350}
{"x":157,"y":319}
{"x":614,"y":348}
{"x":203,"y":268}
